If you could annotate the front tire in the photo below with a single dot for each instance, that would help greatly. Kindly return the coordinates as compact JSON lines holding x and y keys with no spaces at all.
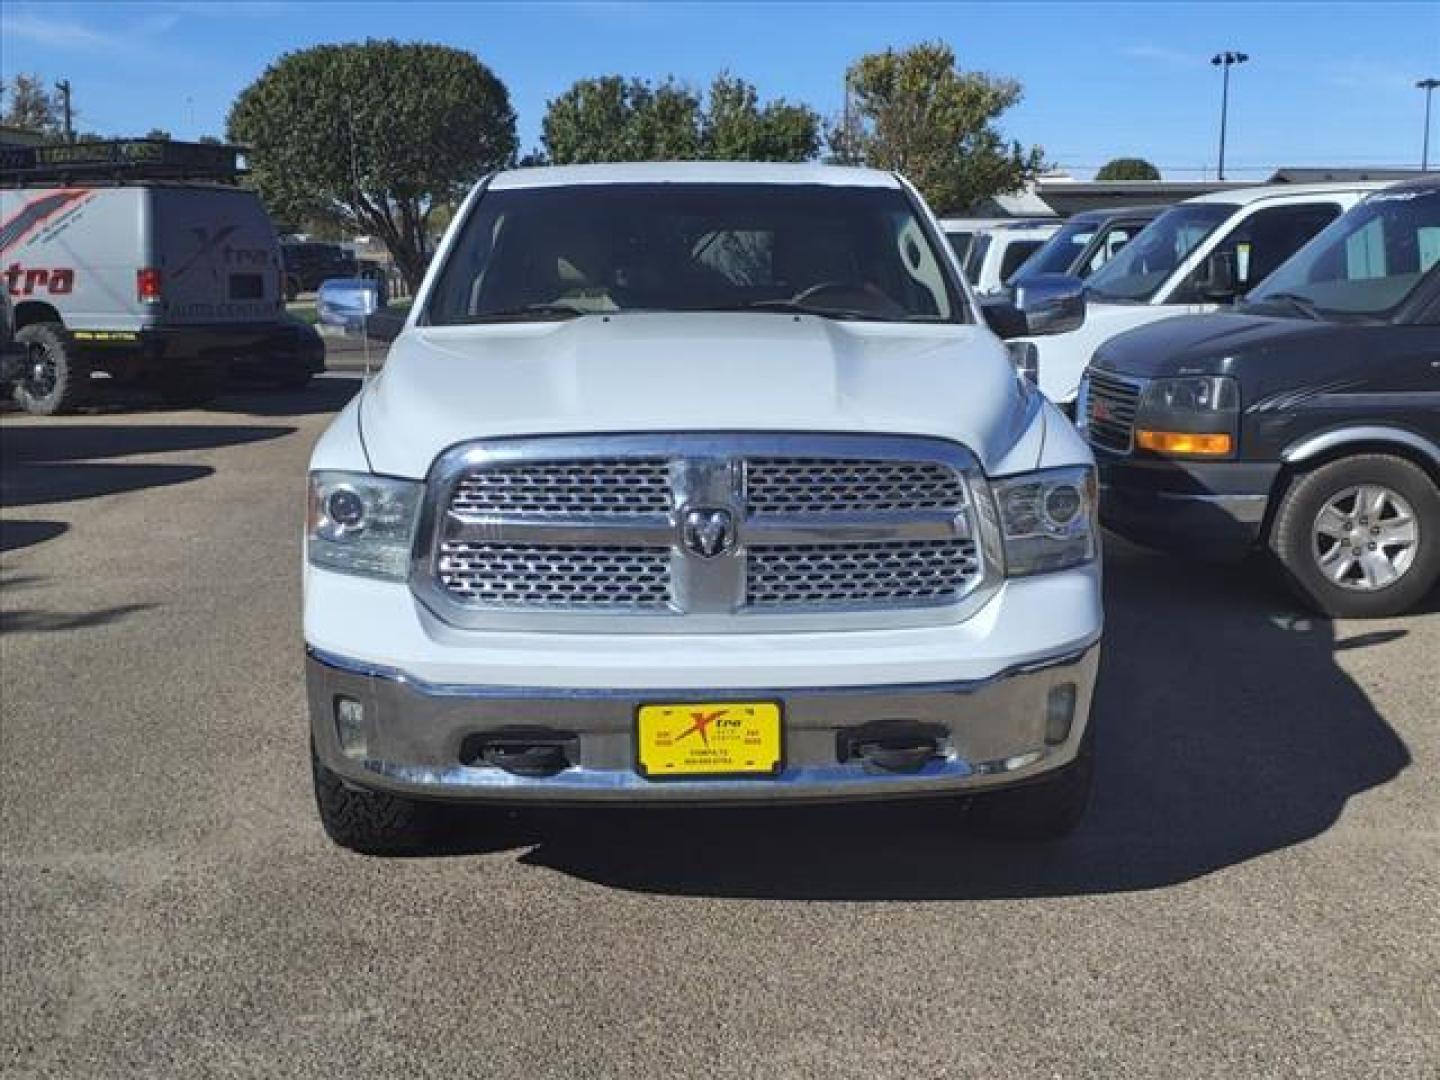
{"x":1044,"y":810}
{"x":368,"y":822}
{"x":1359,"y":538}
{"x":55,"y":379}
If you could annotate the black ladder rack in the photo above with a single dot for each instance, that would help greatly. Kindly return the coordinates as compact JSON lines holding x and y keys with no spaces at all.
{"x":119,"y":161}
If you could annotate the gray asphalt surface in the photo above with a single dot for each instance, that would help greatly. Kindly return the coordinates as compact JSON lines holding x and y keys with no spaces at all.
{"x":1255,"y":893}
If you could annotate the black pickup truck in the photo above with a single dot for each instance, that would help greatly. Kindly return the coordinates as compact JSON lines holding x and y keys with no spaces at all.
{"x":1306,"y":421}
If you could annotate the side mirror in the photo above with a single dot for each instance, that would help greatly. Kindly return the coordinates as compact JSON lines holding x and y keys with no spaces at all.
{"x":1218,"y":280}
{"x":1051,"y":303}
{"x":347,"y":303}
{"x":1003,"y":317}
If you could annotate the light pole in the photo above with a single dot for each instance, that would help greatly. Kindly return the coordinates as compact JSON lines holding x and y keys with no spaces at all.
{"x":1428,"y":85}
{"x":1224,"y":60}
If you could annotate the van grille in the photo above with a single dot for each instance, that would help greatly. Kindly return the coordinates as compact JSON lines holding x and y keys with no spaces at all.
{"x":1110,"y":405}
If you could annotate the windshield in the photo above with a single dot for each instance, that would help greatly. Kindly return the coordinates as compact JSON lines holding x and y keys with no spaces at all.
{"x":1144,"y":264}
{"x":1060,"y":250}
{"x":565,"y":251}
{"x":1366,"y":263}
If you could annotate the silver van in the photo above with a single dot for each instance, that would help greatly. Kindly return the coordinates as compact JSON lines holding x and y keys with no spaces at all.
{"x":142,"y":262}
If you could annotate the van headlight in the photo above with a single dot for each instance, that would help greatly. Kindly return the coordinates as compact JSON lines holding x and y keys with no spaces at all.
{"x":362,"y":524}
{"x":1047,"y":519}
{"x":1191,"y":416}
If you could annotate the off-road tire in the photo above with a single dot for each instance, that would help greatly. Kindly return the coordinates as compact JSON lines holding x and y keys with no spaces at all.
{"x":70,"y":382}
{"x":1292,"y":537}
{"x":369,"y":822}
{"x":1042,"y":810}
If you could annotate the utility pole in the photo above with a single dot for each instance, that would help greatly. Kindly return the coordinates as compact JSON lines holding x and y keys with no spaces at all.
{"x":1428,"y":85}
{"x":1224,"y":61}
{"x":63,"y":85}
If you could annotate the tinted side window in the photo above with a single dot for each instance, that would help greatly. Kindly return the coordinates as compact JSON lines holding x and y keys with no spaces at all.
{"x":1016,"y":254}
{"x":1260,"y":244}
{"x":1110,"y":244}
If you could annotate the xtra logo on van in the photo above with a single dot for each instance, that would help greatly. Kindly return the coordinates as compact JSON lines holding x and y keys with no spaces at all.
{"x":213,"y":242}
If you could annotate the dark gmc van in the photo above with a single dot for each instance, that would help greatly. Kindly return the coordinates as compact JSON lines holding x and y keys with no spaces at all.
{"x":1306,"y":421}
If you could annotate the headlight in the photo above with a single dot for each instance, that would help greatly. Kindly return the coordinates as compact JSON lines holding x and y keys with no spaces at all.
{"x":1047,"y":519}
{"x":1195,"y":394}
{"x":362,"y":524}
{"x":1195,"y":416}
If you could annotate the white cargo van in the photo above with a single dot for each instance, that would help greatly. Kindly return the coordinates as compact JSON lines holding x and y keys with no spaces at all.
{"x":1193,"y":258}
{"x":119,"y":261}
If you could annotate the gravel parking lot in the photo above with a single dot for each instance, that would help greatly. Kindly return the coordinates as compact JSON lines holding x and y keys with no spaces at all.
{"x":1254,"y":894}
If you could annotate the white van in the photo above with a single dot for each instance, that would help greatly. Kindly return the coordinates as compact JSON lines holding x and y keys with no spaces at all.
{"x":137,"y":260}
{"x":997,"y":252}
{"x":1194,"y":257}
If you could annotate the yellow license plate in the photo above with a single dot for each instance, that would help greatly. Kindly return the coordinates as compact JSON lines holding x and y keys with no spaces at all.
{"x":728,"y":738}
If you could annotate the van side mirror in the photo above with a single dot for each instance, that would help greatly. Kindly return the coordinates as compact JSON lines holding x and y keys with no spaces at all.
{"x":1219,"y":282}
{"x":1051,"y":303}
{"x":1003,"y":317}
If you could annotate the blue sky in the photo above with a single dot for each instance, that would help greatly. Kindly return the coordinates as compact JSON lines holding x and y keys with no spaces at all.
{"x":1329,"y":83}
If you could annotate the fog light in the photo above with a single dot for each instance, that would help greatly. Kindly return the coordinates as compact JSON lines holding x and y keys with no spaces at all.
{"x":350,"y":726}
{"x":1059,"y":713}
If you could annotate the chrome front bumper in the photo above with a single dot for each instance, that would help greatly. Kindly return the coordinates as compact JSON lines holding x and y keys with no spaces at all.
{"x":989,"y":732}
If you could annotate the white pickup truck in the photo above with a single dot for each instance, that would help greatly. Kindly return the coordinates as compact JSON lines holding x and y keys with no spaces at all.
{"x":699,"y":483}
{"x":1191,"y":259}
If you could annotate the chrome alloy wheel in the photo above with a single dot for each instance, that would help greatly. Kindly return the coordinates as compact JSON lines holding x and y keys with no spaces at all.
{"x":1365,"y":538}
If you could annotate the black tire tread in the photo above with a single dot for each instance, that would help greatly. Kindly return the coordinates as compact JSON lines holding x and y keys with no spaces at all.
{"x":72,"y":376}
{"x":368,"y":822}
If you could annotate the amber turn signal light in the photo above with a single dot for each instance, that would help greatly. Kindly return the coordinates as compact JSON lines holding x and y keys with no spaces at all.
{"x":1185,"y":442}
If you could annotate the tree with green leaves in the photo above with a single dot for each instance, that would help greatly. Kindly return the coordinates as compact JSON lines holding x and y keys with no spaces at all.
{"x":617,"y":119}
{"x":916,"y":112}
{"x":612,"y":118}
{"x":375,"y":135}
{"x":1128,"y":168}
{"x":736,"y":127}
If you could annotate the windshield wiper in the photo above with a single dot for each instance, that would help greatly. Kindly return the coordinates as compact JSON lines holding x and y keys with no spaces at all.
{"x":1296,"y":301}
{"x":529,"y":312}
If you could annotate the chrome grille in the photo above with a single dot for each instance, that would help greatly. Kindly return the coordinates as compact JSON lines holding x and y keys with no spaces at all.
{"x":917,"y":571}
{"x":533,"y":576}
{"x":841,"y":485}
{"x":567,"y":488}
{"x":1110,"y":405}
{"x":802,"y":530}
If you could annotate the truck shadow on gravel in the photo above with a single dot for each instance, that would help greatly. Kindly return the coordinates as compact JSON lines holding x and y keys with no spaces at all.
{"x":1227,"y":731}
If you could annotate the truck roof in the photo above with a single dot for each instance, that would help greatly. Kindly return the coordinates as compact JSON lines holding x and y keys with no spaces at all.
{"x":692,"y":172}
{"x":1245,"y":196}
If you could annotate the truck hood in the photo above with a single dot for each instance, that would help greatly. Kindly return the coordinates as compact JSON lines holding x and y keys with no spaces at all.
{"x":646,"y":371}
{"x":1205,"y":344}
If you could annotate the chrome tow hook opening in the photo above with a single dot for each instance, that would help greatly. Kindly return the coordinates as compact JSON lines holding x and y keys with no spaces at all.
{"x":894,"y":746}
{"x":531,"y":754}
